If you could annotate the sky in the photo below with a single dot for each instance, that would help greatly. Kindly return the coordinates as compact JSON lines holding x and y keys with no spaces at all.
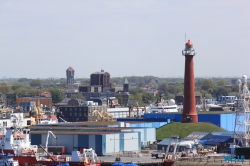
{"x":42,"y":38}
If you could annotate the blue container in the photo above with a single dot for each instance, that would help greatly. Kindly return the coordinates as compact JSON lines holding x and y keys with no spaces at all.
{"x":123,"y":164}
{"x":63,"y":164}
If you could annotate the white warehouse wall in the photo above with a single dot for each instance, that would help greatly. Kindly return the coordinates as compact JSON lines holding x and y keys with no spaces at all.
{"x":131,"y":141}
{"x":147,"y":134}
{"x":112,"y":143}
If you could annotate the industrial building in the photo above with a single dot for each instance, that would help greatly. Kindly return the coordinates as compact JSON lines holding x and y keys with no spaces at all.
{"x":104,"y":140}
{"x":45,"y":101}
{"x":79,"y":113}
{"x":225,"y":120}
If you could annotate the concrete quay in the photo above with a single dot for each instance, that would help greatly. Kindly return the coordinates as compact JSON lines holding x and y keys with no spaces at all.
{"x":149,"y":161}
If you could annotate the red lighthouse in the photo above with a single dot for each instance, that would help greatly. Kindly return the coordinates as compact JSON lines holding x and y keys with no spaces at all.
{"x":189,"y":113}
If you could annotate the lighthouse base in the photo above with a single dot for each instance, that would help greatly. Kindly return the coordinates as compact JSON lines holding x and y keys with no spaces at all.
{"x":189,"y":119}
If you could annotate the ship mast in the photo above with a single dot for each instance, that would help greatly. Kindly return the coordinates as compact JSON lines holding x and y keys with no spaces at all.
{"x":242,"y":119}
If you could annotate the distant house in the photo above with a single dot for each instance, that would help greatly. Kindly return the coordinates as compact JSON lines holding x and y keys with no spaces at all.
{"x":45,"y":94}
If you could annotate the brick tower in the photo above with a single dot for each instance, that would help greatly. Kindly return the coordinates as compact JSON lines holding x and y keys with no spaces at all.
{"x":189,"y":113}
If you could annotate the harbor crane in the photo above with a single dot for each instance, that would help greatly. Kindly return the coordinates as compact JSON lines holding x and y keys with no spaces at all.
{"x":49,"y":132}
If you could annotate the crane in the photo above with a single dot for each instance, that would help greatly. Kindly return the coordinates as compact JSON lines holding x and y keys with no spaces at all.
{"x":46,"y":146}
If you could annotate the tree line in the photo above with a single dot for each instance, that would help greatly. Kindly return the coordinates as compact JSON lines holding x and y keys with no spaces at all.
{"x":139,"y":87}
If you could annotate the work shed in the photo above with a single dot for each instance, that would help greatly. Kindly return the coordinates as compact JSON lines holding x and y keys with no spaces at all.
{"x":219,"y":143}
{"x":216,"y":140}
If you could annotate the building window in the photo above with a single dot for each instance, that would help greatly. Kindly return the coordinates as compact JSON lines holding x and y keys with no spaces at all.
{"x":70,"y":114}
{"x":75,"y":109}
{"x":70,"y":109}
{"x":80,"y":114}
{"x":75,"y":113}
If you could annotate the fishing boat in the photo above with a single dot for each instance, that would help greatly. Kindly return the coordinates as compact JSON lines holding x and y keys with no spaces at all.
{"x":25,"y":153}
{"x":7,"y":160}
{"x":75,"y":159}
{"x":16,"y":141}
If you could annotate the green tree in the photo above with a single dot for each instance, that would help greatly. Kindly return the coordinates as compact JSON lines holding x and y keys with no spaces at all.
{"x":4,"y":88}
{"x":119,"y":97}
{"x":134,"y":91}
{"x":153,"y":84}
{"x":221,"y":82}
{"x":24,"y":80}
{"x":172,"y":89}
{"x":148,"y":98}
{"x":235,"y":88}
{"x":207,"y":84}
{"x":26,"y":90}
{"x":78,"y":96}
{"x":221,"y":91}
{"x":163,"y":88}
{"x":136,"y":98}
{"x":140,"y":84}
{"x":36,"y":83}
{"x":57,"y":95}
{"x":17,"y":85}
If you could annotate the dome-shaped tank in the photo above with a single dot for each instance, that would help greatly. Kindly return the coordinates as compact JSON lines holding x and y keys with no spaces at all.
{"x":188,"y":146}
{"x":239,"y":81}
{"x":171,"y":102}
{"x":244,"y":79}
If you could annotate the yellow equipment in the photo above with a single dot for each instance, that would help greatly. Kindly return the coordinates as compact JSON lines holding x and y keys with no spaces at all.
{"x":103,"y":115}
{"x":38,"y":111}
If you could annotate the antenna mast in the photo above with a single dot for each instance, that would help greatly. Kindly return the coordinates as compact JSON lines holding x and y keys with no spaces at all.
{"x":242,"y":119}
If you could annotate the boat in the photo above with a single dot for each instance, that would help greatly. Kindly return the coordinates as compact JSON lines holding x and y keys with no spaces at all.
{"x":7,"y":160}
{"x":16,"y":141}
{"x":87,"y":158}
{"x":163,"y":106}
{"x":25,"y":153}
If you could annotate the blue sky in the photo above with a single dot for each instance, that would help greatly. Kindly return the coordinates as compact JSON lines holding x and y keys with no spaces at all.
{"x":42,"y":38}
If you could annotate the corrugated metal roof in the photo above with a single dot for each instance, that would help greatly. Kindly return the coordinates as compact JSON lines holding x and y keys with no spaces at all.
{"x":230,"y":133}
{"x":165,"y":141}
{"x":215,"y":140}
{"x":74,"y":132}
{"x":196,"y":135}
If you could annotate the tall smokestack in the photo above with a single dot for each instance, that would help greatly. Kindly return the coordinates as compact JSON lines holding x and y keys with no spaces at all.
{"x":189,"y":113}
